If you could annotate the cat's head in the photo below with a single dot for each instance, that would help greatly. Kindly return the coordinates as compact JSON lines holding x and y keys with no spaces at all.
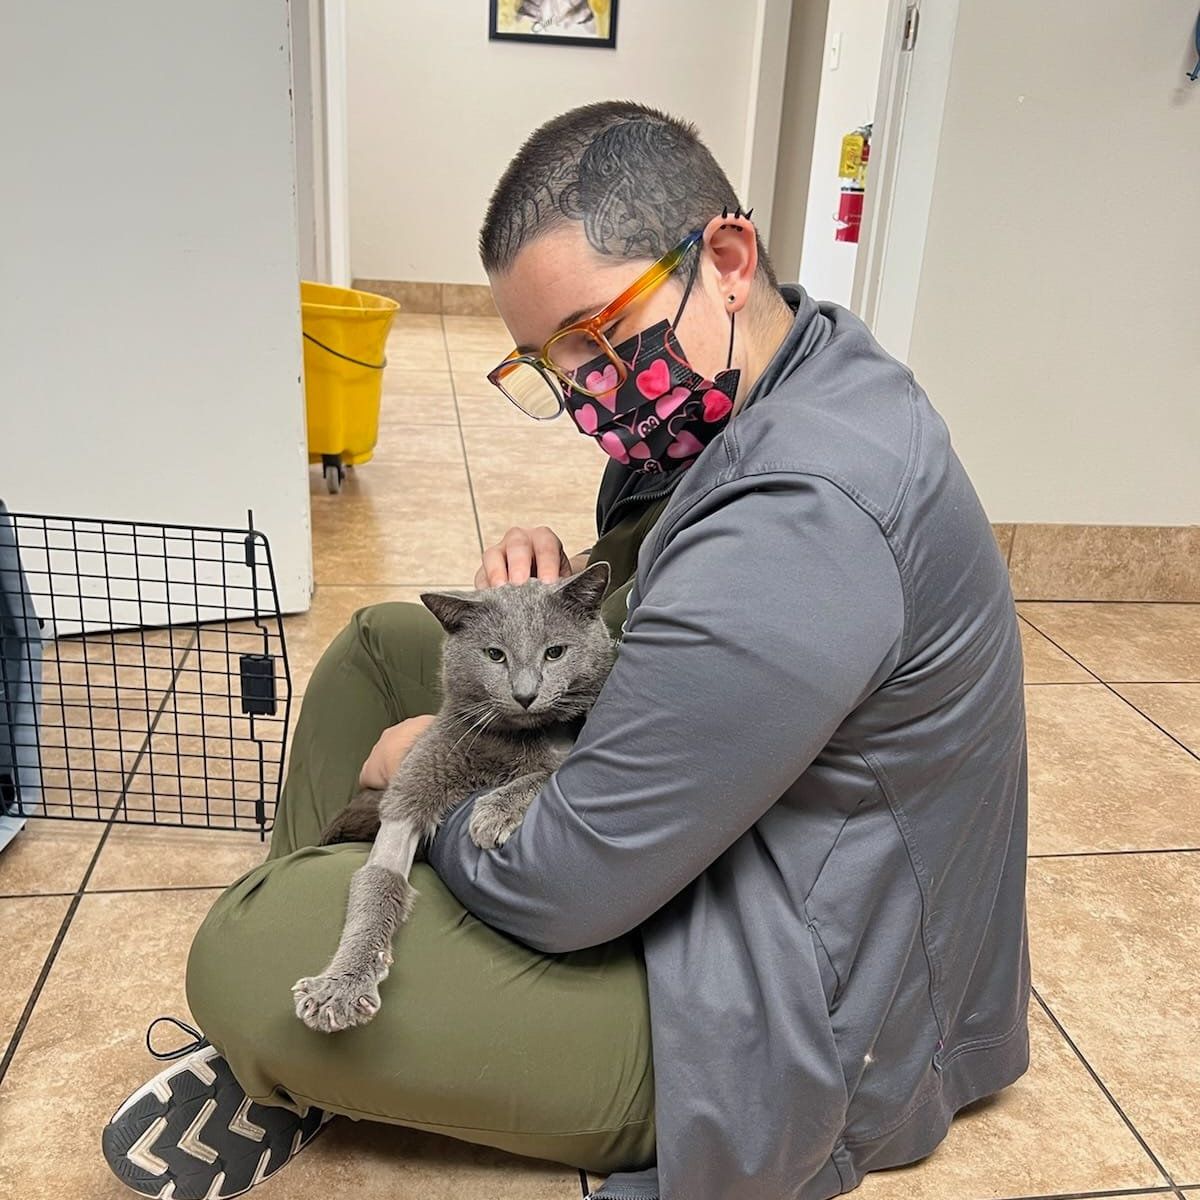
{"x":530,"y":654}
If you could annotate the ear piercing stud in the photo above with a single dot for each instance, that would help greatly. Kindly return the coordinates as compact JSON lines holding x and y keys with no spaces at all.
{"x":738,"y":214}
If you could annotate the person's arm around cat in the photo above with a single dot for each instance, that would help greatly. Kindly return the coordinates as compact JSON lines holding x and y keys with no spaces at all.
{"x":772,"y":608}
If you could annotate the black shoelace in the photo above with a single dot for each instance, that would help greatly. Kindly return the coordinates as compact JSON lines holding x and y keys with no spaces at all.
{"x":198,"y":1040}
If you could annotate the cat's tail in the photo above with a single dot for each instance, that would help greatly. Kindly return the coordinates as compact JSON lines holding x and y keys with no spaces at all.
{"x":357,"y":822}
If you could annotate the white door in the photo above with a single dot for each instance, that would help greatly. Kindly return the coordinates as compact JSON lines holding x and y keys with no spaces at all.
{"x":918,"y":47}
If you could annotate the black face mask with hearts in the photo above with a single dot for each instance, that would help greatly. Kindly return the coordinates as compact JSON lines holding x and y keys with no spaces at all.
{"x":664,"y":413}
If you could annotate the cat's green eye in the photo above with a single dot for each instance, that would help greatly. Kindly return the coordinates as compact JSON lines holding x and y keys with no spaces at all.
{"x":555,"y":651}
{"x":495,"y":653}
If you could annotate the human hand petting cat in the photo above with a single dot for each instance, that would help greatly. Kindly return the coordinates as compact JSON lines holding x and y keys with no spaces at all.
{"x":522,"y":554}
{"x":387,"y":753}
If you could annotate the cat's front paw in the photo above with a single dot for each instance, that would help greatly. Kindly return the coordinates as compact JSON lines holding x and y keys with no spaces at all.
{"x":329,"y":1003}
{"x":492,"y":824}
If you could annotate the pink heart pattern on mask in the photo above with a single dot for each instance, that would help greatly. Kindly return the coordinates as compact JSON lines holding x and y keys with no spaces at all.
{"x":664,"y":406}
{"x":685,"y":445}
{"x":603,"y":385}
{"x":654,"y":380}
{"x":716,"y":405}
{"x":586,"y":418}
{"x":614,"y":447}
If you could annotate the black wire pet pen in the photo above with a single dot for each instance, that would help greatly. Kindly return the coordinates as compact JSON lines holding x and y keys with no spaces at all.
{"x":143,"y":673}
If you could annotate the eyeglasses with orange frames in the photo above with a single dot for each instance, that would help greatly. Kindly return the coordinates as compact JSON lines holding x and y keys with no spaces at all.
{"x":535,"y":382}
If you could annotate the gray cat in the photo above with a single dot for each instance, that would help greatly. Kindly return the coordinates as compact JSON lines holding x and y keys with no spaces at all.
{"x":520,"y":669}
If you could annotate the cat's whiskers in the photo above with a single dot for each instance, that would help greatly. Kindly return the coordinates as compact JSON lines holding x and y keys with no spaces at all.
{"x":469,"y":714}
{"x":480,"y":723}
{"x":480,"y":731}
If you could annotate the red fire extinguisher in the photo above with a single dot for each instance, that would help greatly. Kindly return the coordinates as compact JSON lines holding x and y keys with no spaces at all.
{"x":852,"y":170}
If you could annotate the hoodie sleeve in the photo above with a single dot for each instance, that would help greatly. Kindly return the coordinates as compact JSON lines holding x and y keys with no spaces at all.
{"x":773,"y":607}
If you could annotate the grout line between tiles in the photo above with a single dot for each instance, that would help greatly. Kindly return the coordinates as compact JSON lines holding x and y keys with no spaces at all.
{"x":78,"y":894}
{"x":1165,"y":732}
{"x":1060,"y":600}
{"x":463,"y":441}
{"x":172,"y":887}
{"x":1142,"y":1191}
{"x":1111,"y":853}
{"x":1104,"y":1088}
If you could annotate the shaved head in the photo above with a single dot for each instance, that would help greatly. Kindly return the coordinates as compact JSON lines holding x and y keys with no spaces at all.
{"x":637,"y":180}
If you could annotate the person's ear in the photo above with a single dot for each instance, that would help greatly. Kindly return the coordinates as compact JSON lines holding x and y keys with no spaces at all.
{"x":451,"y":610}
{"x":732,"y":243}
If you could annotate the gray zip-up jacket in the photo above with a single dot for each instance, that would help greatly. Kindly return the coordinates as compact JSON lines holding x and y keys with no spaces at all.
{"x":806,"y":781}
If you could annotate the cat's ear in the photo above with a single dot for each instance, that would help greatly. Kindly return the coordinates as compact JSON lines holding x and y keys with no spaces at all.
{"x":583,"y":593}
{"x":452,"y":610}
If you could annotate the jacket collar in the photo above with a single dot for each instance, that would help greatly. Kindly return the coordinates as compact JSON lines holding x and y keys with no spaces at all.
{"x":809,"y":332}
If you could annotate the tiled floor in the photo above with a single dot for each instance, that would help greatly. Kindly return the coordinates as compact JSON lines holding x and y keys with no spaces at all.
{"x":95,"y":923}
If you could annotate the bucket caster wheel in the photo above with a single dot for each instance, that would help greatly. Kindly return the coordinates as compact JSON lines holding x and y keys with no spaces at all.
{"x":334,"y":473}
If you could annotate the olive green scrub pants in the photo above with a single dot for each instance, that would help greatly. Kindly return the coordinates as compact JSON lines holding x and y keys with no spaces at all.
{"x":479,"y":1037}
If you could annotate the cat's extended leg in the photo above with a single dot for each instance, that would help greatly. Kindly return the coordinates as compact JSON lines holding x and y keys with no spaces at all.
{"x":497,"y":814}
{"x":347,"y":992}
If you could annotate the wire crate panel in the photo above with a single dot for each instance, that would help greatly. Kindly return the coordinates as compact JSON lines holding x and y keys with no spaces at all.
{"x":160,"y":683}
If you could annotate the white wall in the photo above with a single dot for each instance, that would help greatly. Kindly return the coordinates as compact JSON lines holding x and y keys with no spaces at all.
{"x":437,"y":111}
{"x":847,"y":100}
{"x":1057,"y":324}
{"x":149,"y":338}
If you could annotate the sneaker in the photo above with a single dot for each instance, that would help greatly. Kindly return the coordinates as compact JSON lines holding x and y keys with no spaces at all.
{"x":191,"y":1133}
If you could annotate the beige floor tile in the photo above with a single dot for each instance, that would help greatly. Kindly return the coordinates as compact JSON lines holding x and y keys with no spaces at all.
{"x":476,"y":384}
{"x":488,"y":408}
{"x":399,"y":382}
{"x":382,"y":1162}
{"x":1101,"y":777}
{"x":485,"y":334}
{"x":1115,"y":942}
{"x":27,"y":930}
{"x":405,"y":441}
{"x":474,"y":358}
{"x":416,"y":398}
{"x":519,"y":480}
{"x":415,"y":323}
{"x":138,"y":856}
{"x":48,"y":856}
{"x":397,"y":524}
{"x":1045,"y":662}
{"x":1174,"y":706}
{"x":1152,"y":643}
{"x":1052,"y":1132}
{"x":400,"y":441}
{"x":120,"y":966}
{"x":417,"y":349}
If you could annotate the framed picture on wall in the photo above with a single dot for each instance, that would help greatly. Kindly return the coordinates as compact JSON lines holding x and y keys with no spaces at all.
{"x":554,"y":22}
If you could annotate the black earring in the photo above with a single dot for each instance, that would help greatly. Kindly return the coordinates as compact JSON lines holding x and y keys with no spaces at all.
{"x":732,"y":299}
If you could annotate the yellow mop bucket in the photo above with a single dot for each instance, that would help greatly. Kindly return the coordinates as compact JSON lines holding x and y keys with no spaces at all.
{"x":345,"y":336}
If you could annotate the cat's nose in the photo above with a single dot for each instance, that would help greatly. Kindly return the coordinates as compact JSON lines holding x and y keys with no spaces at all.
{"x":525,"y":699}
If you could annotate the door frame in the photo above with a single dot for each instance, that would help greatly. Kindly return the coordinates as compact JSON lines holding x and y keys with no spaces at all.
{"x":904,"y":156}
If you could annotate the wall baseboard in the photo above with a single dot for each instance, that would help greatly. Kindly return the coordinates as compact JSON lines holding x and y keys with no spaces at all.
{"x":454,"y":299}
{"x":1102,"y":562}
